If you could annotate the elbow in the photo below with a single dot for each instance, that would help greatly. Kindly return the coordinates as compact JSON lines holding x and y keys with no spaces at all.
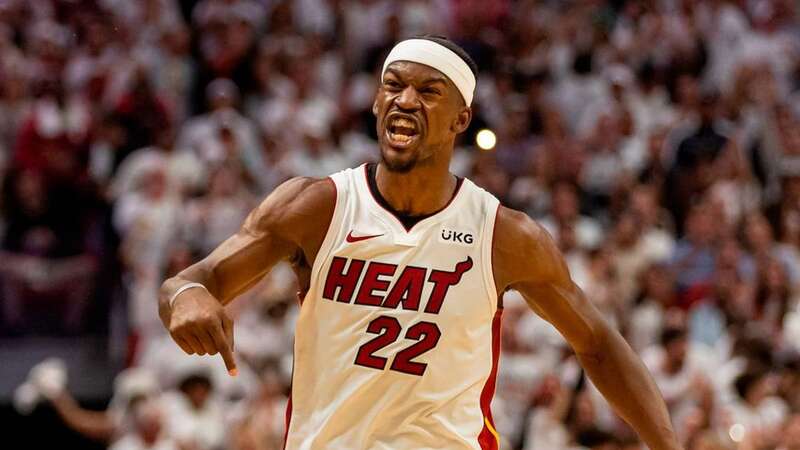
{"x":595,"y":345}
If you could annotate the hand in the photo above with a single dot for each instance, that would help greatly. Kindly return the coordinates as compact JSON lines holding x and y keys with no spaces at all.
{"x":198,"y":323}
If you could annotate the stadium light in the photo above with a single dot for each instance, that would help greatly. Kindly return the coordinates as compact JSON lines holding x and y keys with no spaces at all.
{"x":486,"y":139}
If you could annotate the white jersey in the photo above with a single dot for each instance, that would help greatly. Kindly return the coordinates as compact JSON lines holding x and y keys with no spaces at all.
{"x":397,"y":339}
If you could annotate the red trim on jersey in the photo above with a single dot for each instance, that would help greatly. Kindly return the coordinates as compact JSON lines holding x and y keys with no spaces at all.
{"x":288,"y":420}
{"x":487,"y":439}
{"x":491,"y":257}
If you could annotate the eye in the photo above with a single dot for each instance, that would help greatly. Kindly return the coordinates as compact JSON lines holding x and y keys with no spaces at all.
{"x":391,"y":84}
{"x":430,"y":91}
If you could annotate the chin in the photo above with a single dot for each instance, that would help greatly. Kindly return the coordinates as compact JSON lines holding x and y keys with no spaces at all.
{"x":398,"y":163}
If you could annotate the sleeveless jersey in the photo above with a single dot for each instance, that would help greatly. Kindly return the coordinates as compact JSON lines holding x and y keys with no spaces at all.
{"x":397,"y":339}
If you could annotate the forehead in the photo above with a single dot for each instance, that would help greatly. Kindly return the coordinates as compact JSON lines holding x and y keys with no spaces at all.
{"x":416,"y":72}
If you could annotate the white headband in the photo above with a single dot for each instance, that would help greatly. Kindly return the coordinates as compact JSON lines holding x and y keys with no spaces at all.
{"x":440,"y":58}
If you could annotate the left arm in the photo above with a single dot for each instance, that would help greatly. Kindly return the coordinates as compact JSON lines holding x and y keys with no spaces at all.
{"x":526,"y":259}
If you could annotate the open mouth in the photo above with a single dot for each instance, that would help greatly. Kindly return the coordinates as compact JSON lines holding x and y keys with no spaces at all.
{"x":401,"y":131}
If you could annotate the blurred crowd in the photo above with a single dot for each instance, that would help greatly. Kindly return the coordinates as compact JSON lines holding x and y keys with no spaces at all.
{"x":657,"y":140}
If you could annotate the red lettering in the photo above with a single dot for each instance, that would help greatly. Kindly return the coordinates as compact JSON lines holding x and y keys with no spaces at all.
{"x":372,"y":282}
{"x":345,"y":281}
{"x":442,"y":280}
{"x":387,"y":330}
{"x":428,"y":334}
{"x":407,"y":290}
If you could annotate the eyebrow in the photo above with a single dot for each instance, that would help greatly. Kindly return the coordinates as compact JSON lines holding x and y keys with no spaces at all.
{"x":428,"y":81}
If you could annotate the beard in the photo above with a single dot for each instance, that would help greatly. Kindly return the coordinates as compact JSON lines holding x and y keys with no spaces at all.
{"x":397,"y":165}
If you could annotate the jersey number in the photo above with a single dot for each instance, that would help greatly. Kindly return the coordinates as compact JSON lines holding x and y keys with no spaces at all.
{"x":388,"y":329}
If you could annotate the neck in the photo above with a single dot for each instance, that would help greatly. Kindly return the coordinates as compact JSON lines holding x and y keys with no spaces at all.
{"x":425,"y":189}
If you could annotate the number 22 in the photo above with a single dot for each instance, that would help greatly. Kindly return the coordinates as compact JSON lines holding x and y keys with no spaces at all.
{"x":388,"y":330}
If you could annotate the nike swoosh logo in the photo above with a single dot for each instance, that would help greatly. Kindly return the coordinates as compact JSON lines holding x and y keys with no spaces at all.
{"x":350,"y":238}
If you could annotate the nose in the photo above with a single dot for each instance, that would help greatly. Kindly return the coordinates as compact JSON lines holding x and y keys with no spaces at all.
{"x":408,"y":100}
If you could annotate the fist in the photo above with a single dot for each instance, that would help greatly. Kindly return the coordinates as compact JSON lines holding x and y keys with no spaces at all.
{"x":198,"y":323}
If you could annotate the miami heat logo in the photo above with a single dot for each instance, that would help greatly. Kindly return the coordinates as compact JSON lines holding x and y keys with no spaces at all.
{"x":340,"y":284}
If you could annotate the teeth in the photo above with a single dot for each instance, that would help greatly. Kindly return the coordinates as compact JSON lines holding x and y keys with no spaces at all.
{"x":400,"y":137}
{"x":402,"y":122}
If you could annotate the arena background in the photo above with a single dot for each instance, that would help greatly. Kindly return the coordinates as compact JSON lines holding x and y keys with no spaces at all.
{"x":658,"y":141}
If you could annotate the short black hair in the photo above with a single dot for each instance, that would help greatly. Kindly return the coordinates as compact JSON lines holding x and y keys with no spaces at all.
{"x":194,"y":379}
{"x":746,"y":381}
{"x":672,"y":334}
{"x":455,"y":48}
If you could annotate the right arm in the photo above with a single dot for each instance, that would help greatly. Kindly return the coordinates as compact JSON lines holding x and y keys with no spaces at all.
{"x":289,"y":224}
{"x":528,"y":260}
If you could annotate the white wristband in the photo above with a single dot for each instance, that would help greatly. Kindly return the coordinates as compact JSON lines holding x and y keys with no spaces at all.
{"x":185,"y":287}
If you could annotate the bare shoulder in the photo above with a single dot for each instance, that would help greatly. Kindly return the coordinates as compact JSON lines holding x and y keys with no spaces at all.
{"x":300,"y":209}
{"x":523,"y":250}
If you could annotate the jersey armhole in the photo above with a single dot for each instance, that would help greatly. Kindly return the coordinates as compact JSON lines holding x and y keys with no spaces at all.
{"x":333,"y":226}
{"x":487,"y":244}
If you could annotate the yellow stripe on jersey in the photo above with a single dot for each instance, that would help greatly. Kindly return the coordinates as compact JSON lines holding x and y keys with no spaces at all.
{"x":492,"y":430}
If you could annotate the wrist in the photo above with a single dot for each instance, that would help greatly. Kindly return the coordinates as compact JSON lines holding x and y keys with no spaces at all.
{"x":181,"y":290}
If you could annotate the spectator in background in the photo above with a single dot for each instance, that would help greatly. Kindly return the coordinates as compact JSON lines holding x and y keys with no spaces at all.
{"x":226,"y":39}
{"x":216,"y":216}
{"x":315,"y":154}
{"x":677,"y":368}
{"x":194,"y":413}
{"x":758,"y":410}
{"x":546,"y":428}
{"x":629,"y":256}
{"x":653,"y":309}
{"x":603,"y":172}
{"x":263,"y":423}
{"x":51,"y":137}
{"x":184,"y":171}
{"x":694,"y":256}
{"x":48,"y":260}
{"x":173,"y":70}
{"x":223,"y":135}
{"x":91,"y":63}
{"x":147,"y":218}
{"x":760,"y":241}
{"x":515,"y":152}
{"x":692,"y":170}
{"x":132,"y":388}
{"x":565,"y":211}
{"x":148,"y":431}
{"x":142,"y":113}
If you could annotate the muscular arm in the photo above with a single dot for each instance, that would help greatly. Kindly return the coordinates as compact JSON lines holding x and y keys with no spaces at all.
{"x":289,"y":224}
{"x":527,"y":260}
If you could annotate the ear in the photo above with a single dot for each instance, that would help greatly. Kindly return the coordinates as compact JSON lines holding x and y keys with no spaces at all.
{"x":463,"y":120}
{"x":375,"y":107}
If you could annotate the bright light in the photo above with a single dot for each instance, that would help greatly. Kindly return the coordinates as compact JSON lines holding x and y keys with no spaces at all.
{"x":736,"y":432}
{"x":486,"y":139}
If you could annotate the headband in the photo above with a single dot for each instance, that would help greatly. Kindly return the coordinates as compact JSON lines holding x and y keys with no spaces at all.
{"x":439,"y":57}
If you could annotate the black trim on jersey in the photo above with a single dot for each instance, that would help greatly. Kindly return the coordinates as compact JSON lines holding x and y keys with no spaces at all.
{"x":407,"y":220}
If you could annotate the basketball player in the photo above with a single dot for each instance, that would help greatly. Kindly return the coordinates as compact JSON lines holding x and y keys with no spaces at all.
{"x":402,"y":268}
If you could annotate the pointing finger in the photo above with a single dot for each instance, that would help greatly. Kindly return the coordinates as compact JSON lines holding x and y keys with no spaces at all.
{"x":227,"y":328}
{"x":224,"y":350}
